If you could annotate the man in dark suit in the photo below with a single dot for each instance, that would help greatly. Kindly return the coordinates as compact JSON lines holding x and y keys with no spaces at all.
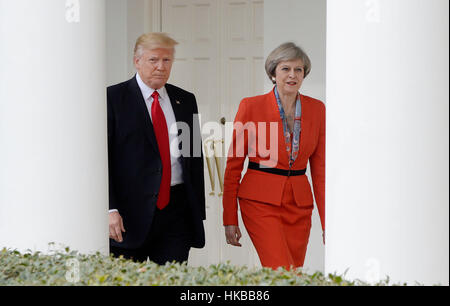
{"x":156,"y":185}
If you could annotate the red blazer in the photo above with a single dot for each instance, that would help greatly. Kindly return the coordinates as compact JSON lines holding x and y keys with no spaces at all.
{"x":268,"y":188}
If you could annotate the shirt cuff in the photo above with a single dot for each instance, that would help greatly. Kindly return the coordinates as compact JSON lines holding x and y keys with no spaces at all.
{"x":113,"y":210}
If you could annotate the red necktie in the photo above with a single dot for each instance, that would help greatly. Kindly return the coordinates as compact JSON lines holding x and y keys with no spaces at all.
{"x":162,"y":137}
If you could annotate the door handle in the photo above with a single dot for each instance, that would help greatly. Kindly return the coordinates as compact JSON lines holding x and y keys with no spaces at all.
{"x":220,"y":144}
{"x":207,"y":146}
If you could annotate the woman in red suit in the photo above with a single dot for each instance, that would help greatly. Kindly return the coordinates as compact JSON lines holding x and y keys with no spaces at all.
{"x":275,"y":197}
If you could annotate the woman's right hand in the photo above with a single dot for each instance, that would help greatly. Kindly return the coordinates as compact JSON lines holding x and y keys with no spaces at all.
{"x":233,"y":235}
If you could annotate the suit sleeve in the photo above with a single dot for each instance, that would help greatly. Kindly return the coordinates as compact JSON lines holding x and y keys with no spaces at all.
{"x":197,"y":169}
{"x":111,"y":133}
{"x":317,"y":162}
{"x":237,"y":154}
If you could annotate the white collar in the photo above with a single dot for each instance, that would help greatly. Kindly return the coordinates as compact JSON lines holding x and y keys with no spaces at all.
{"x":147,"y":91}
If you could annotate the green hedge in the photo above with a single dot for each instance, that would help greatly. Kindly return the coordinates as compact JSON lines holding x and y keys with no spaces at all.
{"x":71,"y":268}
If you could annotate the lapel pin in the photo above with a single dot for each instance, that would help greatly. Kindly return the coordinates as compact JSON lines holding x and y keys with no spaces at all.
{"x":178,"y":102}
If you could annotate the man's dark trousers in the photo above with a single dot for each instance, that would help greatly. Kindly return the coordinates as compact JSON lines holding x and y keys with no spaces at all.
{"x":170,"y":235}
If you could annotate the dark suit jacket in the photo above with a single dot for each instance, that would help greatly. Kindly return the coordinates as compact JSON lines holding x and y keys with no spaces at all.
{"x":135,"y":166}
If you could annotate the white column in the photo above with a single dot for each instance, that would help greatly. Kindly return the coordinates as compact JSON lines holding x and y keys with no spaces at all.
{"x":388,"y":145}
{"x":53,"y":144}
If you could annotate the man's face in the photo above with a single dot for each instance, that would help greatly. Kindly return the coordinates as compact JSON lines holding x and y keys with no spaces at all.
{"x":154,"y":66}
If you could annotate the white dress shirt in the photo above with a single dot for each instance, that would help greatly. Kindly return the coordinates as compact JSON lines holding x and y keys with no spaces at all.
{"x":164,"y":101}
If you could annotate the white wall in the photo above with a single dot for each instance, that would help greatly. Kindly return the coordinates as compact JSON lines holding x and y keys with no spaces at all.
{"x":303,"y":22}
{"x":387,"y":142}
{"x":126,"y":20}
{"x":116,"y":41}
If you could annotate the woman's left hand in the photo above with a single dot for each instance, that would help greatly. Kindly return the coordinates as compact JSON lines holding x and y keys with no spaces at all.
{"x":233,"y":235}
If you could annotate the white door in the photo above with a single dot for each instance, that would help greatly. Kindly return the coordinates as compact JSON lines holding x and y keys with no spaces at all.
{"x":220,"y":60}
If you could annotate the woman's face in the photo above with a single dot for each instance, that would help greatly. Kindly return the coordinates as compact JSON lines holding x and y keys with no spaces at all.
{"x":289,"y":76}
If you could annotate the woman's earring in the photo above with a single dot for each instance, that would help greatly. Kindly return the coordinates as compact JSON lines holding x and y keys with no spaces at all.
{"x":273,"y":79}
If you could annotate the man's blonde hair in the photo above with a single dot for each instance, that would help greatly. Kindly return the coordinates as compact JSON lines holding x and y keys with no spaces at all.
{"x":152,"y":41}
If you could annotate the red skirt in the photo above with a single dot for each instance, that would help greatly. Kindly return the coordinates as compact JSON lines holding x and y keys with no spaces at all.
{"x":280,"y":234}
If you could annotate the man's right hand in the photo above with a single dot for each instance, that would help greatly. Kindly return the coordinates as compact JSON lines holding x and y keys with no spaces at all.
{"x":116,"y":226}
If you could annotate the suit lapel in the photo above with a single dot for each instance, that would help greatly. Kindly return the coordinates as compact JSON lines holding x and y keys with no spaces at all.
{"x":177,"y":103}
{"x":306,"y":129}
{"x":138,"y":100}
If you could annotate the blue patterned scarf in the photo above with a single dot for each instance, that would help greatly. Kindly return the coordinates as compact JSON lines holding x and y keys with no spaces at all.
{"x":293,"y":146}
